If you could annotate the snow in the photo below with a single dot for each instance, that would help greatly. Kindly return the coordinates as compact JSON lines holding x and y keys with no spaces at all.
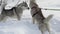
{"x":25,"y":25}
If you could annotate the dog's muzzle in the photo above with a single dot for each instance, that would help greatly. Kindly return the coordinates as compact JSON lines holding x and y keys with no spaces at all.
{"x":28,"y":8}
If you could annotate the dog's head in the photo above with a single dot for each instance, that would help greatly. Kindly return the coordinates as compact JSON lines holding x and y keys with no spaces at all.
{"x":33,"y":4}
{"x":24,"y":5}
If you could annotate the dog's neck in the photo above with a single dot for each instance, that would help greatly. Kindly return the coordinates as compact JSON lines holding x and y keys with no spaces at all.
{"x":32,"y":0}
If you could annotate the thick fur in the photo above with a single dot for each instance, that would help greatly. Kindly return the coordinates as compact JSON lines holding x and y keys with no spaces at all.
{"x":42,"y":22}
{"x":14,"y":12}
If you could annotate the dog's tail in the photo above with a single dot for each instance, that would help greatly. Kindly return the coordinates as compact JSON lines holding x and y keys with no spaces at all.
{"x":48,"y":19}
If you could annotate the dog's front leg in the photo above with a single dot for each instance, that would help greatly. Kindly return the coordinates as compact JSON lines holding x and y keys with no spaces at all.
{"x":33,"y":20}
{"x":15,"y":13}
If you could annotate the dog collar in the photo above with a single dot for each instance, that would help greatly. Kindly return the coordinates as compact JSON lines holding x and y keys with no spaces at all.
{"x":34,"y":14}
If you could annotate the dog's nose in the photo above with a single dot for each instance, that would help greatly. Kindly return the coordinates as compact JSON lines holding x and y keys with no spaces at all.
{"x":28,"y":8}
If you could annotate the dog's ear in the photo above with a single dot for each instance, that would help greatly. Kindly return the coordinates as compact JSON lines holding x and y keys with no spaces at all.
{"x":23,"y":1}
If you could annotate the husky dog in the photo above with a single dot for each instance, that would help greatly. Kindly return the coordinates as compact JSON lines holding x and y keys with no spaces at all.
{"x":37,"y":15}
{"x":15,"y":11}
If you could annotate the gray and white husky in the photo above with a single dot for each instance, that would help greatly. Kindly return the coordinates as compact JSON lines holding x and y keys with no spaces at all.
{"x":42,"y":22}
{"x":14,"y":12}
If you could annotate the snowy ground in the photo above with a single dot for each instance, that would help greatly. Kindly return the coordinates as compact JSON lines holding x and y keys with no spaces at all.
{"x":25,"y":26}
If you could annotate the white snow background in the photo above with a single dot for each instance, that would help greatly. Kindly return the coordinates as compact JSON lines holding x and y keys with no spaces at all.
{"x":25,"y":26}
